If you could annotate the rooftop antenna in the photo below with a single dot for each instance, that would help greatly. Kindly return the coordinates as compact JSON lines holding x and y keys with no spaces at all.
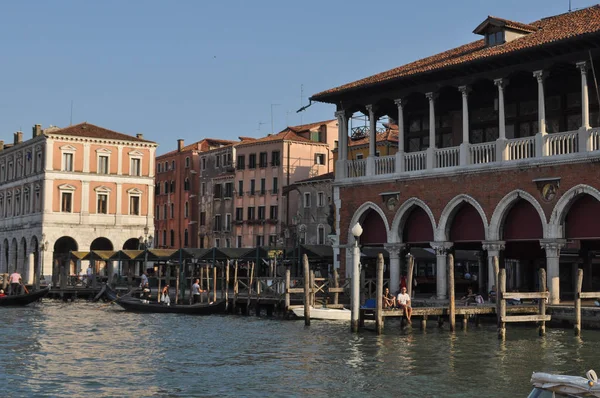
{"x":260,"y":124}
{"x":301,"y":100}
{"x":272,"y":105}
{"x":569,"y":5}
{"x":71,"y":120}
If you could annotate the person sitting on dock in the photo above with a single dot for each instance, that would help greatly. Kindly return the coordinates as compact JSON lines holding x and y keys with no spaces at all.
{"x":403,"y":302}
{"x":165,"y":298}
{"x":468,"y":298}
{"x":492,"y":294}
{"x":389,"y":301}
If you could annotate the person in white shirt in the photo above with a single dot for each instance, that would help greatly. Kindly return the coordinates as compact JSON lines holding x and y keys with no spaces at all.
{"x":15,"y":283}
{"x":403,"y":301}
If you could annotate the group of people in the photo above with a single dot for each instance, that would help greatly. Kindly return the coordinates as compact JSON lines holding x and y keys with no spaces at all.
{"x":16,"y":282}
{"x":402,"y":301}
{"x":165,"y":297}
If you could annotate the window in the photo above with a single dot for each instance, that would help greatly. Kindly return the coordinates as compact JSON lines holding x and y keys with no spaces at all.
{"x":320,"y":199}
{"x":203,"y":163}
{"x":67,"y":162}
{"x":185,"y":238}
{"x":241,"y":162}
{"x":252,"y":186}
{"x":172,"y":210}
{"x":186,"y":184}
{"x":26,"y":203}
{"x":202,"y":218}
{"x":158,"y":170}
{"x":217,"y":226}
{"x":262,"y":160}
{"x":224,"y":161}
{"x":103,"y":164}
{"x":203,"y":189}
{"x":2,"y":173}
{"x":319,"y":158}
{"x":273,"y":240}
{"x":273,"y":212}
{"x":228,"y":242}
{"x":186,"y":210}
{"x":218,"y":188}
{"x":157,"y":213}
{"x":359,"y":156}
{"x":228,"y":189}
{"x":275,"y":158}
{"x":239,"y":213}
{"x":306,"y":199}
{"x":250,"y":213}
{"x":172,"y":238}
{"x":187,"y":164}
{"x":166,"y":187}
{"x":165,"y":215}
{"x":172,"y":186}
{"x":275,"y":185}
{"x":302,"y":234}
{"x":172,"y":165}
{"x":261,"y":212}
{"x":263,"y":186}
{"x":38,"y":161}
{"x":134,"y":205}
{"x":136,"y":167}
{"x":217,"y":161}
{"x":252,"y":161}
{"x":102,"y":203}
{"x":164,"y":240}
{"x":240,"y":188}
{"x":157,"y":189}
{"x":217,"y":242}
{"x":227,"y":222}
{"x":239,"y":241}
{"x":66,"y":202}
{"x":494,"y":38}
{"x":320,"y":235}
{"x":260,"y":240}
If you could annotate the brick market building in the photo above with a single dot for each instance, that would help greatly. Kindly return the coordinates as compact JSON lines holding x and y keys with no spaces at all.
{"x":498,"y":153}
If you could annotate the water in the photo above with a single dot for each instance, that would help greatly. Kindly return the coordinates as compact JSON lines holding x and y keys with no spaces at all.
{"x":89,"y":349}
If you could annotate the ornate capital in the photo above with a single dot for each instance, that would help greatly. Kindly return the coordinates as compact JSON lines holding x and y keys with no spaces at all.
{"x":501,"y":83}
{"x":552,"y":246}
{"x":494,"y":246}
{"x":371,"y":109}
{"x":441,"y":248}
{"x":400,"y":103}
{"x":583,"y":67}
{"x":340,"y":115}
{"x":539,"y":75}
{"x":464,"y":90}
{"x":431,"y":96}
{"x":394,"y":249}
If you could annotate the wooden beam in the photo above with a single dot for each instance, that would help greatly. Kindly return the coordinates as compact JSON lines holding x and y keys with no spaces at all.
{"x":526,"y":318}
{"x":525,"y":295}
{"x":589,"y":295}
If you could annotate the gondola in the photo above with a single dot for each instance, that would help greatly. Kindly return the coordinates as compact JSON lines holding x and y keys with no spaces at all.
{"x":133,"y":304}
{"x":21,"y":300}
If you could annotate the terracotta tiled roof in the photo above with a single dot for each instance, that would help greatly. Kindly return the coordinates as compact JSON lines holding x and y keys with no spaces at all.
{"x":310,"y":126}
{"x":322,"y":177}
{"x":92,"y":131}
{"x":196,"y":146}
{"x":290,"y":133}
{"x":506,"y":23}
{"x":549,"y":30}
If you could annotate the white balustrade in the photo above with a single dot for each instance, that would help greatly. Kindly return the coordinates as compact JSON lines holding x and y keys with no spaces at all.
{"x":356,"y":168}
{"x":562,"y":143}
{"x":385,"y":164}
{"x":521,"y":148}
{"x":483,"y":153}
{"x":414,"y":161}
{"x":595,"y":139}
{"x":447,"y":157}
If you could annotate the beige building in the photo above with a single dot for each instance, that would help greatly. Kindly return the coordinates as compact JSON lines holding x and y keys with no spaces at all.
{"x":81,"y":187}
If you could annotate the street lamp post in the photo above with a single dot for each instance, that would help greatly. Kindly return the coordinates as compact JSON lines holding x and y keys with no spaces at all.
{"x":39,"y":275}
{"x":357,"y":232}
{"x":145,"y":244}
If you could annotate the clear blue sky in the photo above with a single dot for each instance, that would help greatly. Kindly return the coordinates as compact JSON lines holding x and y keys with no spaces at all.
{"x":198,"y":68}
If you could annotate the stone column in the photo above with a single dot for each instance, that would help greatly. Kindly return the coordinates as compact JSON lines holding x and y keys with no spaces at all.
{"x":493,"y":249}
{"x":119,"y":160}
{"x":340,"y":167}
{"x":464,"y":146}
{"x":394,"y":250}
{"x":501,"y":154}
{"x":540,"y":143}
{"x":431,"y":150}
{"x":441,"y":274}
{"x":400,"y":154}
{"x":552,"y":247}
{"x":372,"y":140}
{"x":585,"y":144}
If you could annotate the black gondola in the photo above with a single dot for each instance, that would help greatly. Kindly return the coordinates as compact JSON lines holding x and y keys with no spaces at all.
{"x":21,"y":300}
{"x":133,"y":304}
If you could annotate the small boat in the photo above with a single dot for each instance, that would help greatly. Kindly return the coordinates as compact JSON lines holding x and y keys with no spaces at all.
{"x":21,"y":300}
{"x":133,"y":304}
{"x":561,"y":386}
{"x":332,"y":314}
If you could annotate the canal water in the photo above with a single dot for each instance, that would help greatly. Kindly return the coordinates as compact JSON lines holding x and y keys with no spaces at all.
{"x":82,"y":349}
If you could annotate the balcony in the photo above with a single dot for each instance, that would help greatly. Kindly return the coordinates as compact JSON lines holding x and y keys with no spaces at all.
{"x":539,"y":149}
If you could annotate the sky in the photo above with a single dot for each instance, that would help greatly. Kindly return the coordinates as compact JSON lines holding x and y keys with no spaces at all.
{"x":193,"y":69}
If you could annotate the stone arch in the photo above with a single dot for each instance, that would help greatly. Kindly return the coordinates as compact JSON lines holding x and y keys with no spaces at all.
{"x":14,"y":251}
{"x":22,"y":257}
{"x":504,"y":206}
{"x":403,"y":213}
{"x":101,"y":243}
{"x":34,"y":246}
{"x":6,"y":255}
{"x":561,"y":209}
{"x":360,"y":212}
{"x":131,"y":244}
{"x":442,"y":233}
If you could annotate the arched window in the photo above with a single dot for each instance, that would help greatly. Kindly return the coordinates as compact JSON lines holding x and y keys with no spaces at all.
{"x":185,"y":238}
{"x":164,"y":239}
{"x":187,"y":162}
{"x":172,"y":238}
{"x":186,"y":184}
{"x":172,"y":186}
{"x":166,"y":186}
{"x":185,"y":210}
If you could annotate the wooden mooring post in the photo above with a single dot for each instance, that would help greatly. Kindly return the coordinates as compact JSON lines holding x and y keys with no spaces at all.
{"x":451,"y":293}
{"x":306,"y":290}
{"x":578,"y":287}
{"x":336,"y":285}
{"x":227,"y":286}
{"x":312,"y":288}
{"x":542,"y":302}
{"x":287,"y":288}
{"x":177,"y":284}
{"x":379,"y":292}
{"x":235,"y":286}
{"x":214,"y":282}
{"x":501,"y":305}
{"x":250,"y":288}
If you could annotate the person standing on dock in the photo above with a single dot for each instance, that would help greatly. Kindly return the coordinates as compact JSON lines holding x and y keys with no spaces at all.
{"x":196,"y":291}
{"x":403,"y":302}
{"x":15,"y":283}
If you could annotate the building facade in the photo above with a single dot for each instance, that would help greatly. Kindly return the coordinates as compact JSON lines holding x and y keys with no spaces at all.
{"x":81,"y":187}
{"x":498,"y":153}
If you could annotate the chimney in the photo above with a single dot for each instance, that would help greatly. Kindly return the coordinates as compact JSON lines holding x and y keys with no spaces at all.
{"x":1,"y":145}
{"x":139,"y":136}
{"x":180,"y":144}
{"x":18,"y":137}
{"x":37,"y":130}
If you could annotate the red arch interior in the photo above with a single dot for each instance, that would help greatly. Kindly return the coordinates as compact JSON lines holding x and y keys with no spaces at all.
{"x":522,"y":222}
{"x":467,"y":225}
{"x":417,"y":228}
{"x":583,"y":218}
{"x":374,"y":231}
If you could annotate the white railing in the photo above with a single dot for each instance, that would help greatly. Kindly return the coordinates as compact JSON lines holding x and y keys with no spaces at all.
{"x":483,"y":153}
{"x":521,"y":148}
{"x":447,"y":157}
{"x":595,"y":139}
{"x":356,"y":168}
{"x":385,"y":164}
{"x":562,"y":143}
{"x":414,"y":161}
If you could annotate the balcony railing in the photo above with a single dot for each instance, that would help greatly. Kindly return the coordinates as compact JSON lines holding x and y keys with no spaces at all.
{"x":501,"y":151}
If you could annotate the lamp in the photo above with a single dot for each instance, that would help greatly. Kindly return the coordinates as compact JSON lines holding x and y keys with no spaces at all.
{"x":357,"y":230}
